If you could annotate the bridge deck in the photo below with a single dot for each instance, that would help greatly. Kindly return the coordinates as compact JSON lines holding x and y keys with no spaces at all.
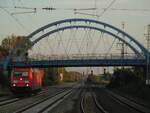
{"x":79,"y":63}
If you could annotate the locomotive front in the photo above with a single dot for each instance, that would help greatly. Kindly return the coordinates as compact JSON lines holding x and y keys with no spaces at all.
{"x":21,"y":80}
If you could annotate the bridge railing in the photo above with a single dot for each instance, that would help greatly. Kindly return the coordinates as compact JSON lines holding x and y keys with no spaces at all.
{"x":76,"y":56}
{"x":86,"y":56}
{"x":39,"y":61}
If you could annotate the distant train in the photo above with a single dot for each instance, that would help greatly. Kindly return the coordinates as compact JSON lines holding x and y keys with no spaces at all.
{"x":26,"y":80}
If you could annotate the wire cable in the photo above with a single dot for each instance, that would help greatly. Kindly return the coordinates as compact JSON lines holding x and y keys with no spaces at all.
{"x":98,"y":42}
{"x":15,"y":19}
{"x":107,"y":8}
{"x":110,"y":46}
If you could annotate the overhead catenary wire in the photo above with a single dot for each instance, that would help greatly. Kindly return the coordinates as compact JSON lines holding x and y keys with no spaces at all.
{"x":23,"y":7}
{"x":76,"y":10}
{"x":82,"y":13}
{"x":73,"y":9}
{"x":109,"y":6}
{"x":15,"y":13}
{"x":96,"y":15}
{"x":15,"y":19}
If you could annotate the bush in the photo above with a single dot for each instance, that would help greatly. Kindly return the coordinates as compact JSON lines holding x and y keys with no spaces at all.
{"x":122,"y":77}
{"x":130,"y":81}
{"x":5,"y":79}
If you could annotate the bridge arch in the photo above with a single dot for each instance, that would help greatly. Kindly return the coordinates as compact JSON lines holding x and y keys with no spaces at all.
{"x":80,"y":27}
{"x":83,"y":23}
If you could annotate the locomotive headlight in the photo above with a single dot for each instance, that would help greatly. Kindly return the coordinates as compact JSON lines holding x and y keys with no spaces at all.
{"x":27,"y":84}
{"x":14,"y":84}
{"x":20,"y":78}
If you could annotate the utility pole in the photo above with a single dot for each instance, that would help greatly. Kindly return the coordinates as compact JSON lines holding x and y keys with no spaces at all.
{"x":121,"y":45}
{"x":122,"y":49}
{"x":148,"y":48}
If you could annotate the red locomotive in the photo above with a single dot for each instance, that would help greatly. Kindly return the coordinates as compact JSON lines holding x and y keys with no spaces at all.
{"x":26,"y":80}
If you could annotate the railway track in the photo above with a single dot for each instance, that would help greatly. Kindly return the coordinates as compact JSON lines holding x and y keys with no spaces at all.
{"x":133,"y":100}
{"x":8,"y":101}
{"x":128,"y":102}
{"x":6,"y":98}
{"x":97,"y":107}
{"x":45,"y":105}
{"x":21,"y":103}
{"x":82,"y":104}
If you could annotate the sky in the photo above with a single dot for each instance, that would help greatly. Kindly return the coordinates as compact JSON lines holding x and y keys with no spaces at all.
{"x":135,"y":21}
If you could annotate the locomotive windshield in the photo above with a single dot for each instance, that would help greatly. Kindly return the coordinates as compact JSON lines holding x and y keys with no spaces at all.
{"x":21,"y":74}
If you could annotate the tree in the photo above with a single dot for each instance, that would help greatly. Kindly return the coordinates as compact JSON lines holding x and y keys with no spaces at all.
{"x":52,"y":75}
{"x":12,"y":41}
{"x":3,"y":52}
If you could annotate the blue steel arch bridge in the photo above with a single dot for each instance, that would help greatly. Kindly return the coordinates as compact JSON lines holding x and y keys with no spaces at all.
{"x":139,"y":55}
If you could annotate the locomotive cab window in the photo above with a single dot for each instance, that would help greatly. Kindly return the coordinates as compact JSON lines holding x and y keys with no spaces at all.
{"x":18,"y":74}
{"x":21,"y":74}
{"x":24,"y":74}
